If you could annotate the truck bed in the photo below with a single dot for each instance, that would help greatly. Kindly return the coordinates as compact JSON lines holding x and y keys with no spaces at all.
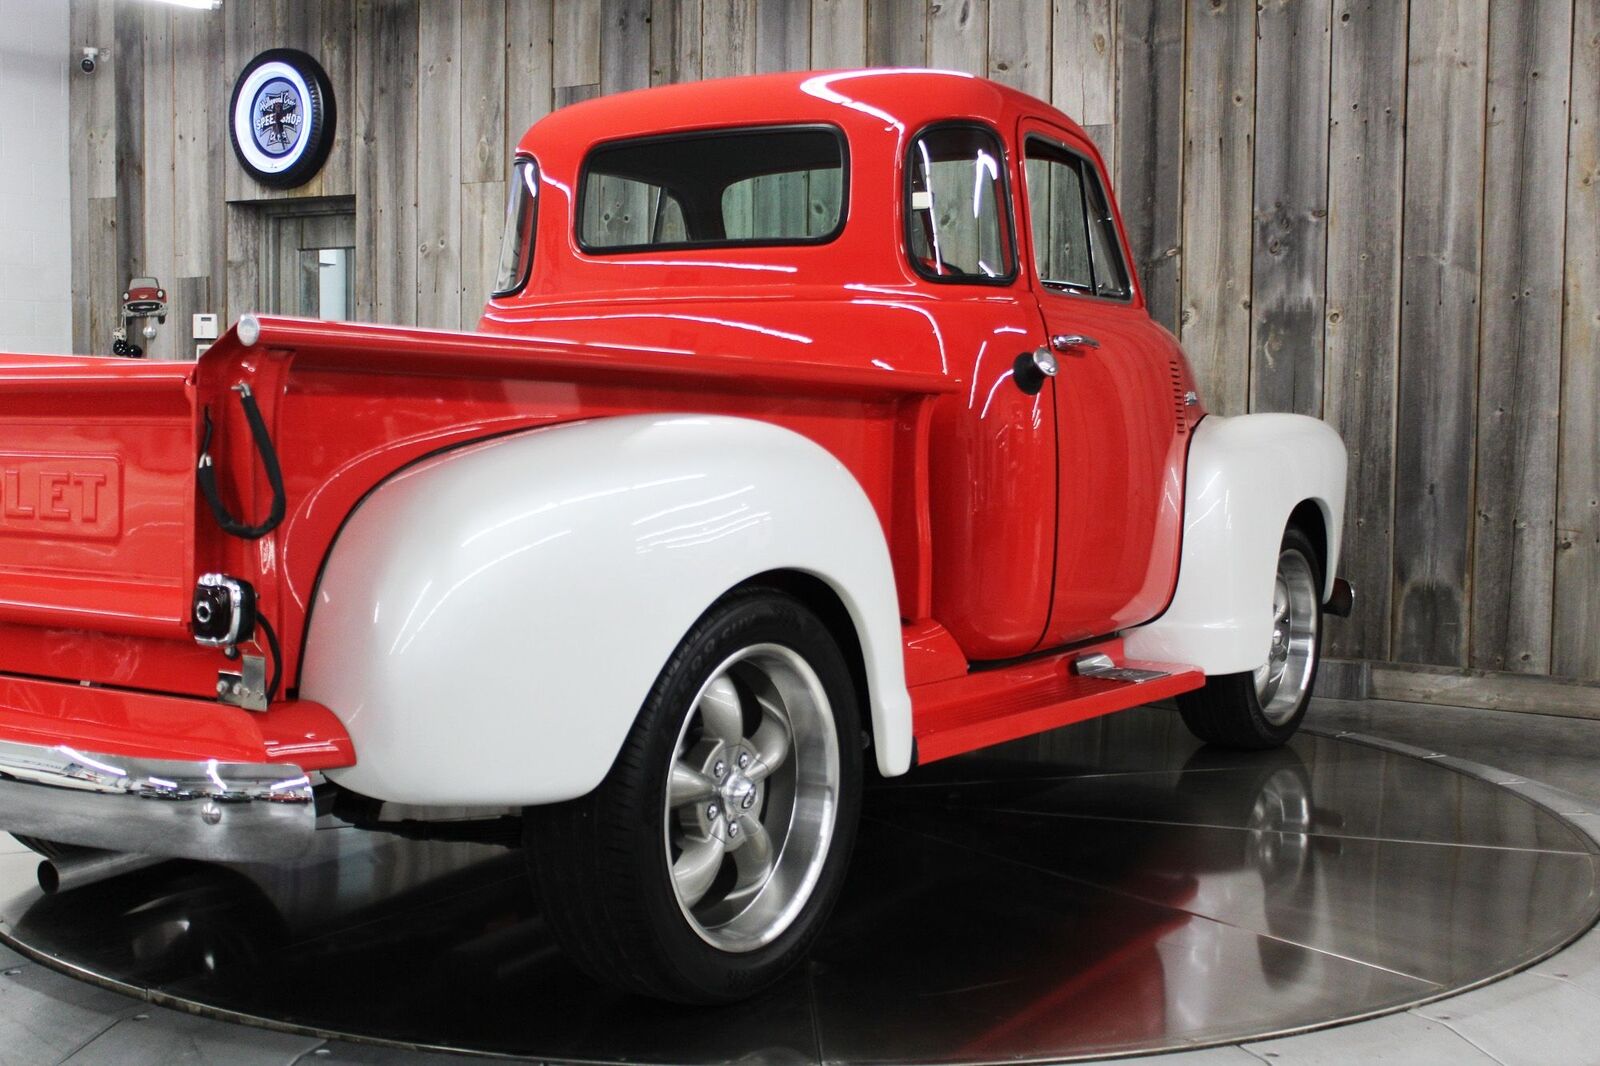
{"x":103,"y":532}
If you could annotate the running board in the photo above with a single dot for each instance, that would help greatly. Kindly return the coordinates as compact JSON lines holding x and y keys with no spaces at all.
{"x":992,"y":706}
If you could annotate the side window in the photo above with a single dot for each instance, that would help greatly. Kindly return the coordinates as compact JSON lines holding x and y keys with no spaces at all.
{"x":958,"y":220}
{"x":1110,"y":272}
{"x":1060,"y":226}
{"x":516,"y":240}
{"x":1075,"y":244}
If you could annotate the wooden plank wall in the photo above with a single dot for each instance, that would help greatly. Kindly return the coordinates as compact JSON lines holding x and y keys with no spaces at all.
{"x":1380,"y":212}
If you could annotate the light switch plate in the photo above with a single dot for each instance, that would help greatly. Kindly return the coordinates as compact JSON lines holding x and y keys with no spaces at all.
{"x":205,"y":327}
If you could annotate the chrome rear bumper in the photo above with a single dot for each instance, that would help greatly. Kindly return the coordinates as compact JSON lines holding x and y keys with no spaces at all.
{"x":196,"y":810}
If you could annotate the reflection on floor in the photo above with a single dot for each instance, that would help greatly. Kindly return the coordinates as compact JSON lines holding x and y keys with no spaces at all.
{"x":1105,"y":888}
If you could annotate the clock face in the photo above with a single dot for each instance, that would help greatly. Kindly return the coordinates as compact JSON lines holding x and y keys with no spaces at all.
{"x":282,"y":117}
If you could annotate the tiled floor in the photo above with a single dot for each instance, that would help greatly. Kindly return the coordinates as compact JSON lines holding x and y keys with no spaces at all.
{"x":1545,"y":1015}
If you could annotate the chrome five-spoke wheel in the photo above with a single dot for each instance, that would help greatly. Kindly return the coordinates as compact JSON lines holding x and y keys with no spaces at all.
{"x":704,"y":865}
{"x":1282,"y":681}
{"x":751,"y":798}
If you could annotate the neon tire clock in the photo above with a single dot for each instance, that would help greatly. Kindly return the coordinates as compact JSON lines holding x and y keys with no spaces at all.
{"x":282,"y":116}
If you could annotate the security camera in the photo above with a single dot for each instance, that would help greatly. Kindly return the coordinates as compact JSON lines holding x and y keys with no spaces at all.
{"x":91,"y":56}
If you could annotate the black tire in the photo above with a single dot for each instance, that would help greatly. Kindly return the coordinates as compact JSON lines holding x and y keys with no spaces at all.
{"x":1227,"y":710}
{"x":601,"y":863}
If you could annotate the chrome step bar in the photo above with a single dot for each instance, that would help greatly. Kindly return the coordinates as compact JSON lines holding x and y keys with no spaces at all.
{"x":1102,"y":665}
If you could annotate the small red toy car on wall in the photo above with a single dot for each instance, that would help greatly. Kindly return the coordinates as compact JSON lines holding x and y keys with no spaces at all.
{"x":815,"y":418}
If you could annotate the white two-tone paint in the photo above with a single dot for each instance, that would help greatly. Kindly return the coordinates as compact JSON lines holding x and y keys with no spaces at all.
{"x":490,"y":621}
{"x":1246,"y":475}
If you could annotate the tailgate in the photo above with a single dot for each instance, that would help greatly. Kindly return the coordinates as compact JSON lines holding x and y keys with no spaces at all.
{"x":97,"y":497}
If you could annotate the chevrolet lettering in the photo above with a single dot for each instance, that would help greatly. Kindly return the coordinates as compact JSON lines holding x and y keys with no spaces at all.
{"x":67,"y":495}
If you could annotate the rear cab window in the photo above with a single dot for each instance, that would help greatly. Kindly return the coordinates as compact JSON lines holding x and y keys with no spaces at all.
{"x":717,"y":188}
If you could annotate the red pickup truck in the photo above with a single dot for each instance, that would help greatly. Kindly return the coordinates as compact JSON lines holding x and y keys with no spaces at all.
{"x":813,"y":415}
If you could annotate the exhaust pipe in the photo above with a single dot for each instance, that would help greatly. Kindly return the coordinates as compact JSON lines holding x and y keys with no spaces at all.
{"x":89,"y":865}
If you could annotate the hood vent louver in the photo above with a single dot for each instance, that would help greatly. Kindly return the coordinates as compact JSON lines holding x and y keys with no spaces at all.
{"x":1180,"y":406}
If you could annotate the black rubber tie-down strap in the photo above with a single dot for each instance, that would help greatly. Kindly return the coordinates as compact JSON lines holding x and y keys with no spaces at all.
{"x":206,"y":472}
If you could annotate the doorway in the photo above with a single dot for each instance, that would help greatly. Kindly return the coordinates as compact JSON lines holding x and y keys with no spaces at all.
{"x":308,"y":260}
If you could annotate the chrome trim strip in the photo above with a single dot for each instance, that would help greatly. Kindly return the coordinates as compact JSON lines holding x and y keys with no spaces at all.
{"x":206,"y":810}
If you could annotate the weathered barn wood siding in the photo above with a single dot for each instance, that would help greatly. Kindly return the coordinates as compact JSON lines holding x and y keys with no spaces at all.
{"x":1289,"y":272}
{"x":1219,"y":138}
{"x":1519,"y":385}
{"x":1366,"y":155}
{"x":1576,"y":647}
{"x":1381,"y":212}
{"x":1441,"y":277}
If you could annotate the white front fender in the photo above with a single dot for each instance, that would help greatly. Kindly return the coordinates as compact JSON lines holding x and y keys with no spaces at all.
{"x":490,"y":621}
{"x":1246,"y":475}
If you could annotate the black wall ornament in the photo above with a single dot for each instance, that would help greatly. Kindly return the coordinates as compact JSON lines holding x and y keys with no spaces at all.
{"x":282,"y":117}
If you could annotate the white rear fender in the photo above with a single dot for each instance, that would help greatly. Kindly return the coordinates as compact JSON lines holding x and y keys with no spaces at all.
{"x":490,"y":621}
{"x":1246,"y":475}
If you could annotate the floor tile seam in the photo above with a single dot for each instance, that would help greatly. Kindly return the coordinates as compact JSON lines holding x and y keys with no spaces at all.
{"x":1479,"y":1048}
{"x":1436,"y":986}
{"x":124,"y":1015}
{"x":1569,"y":982}
{"x":1319,"y":834}
{"x":1412,"y":1045}
{"x":310,"y":1054}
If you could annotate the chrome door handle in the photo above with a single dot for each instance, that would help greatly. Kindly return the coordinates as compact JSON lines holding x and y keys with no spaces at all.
{"x":1063,"y":342}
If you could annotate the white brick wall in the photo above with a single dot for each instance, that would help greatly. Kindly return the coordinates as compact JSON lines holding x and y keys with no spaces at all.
{"x":35,"y":224}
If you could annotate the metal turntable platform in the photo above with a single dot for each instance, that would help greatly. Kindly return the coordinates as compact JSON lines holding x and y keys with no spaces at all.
{"x":1107,"y":888}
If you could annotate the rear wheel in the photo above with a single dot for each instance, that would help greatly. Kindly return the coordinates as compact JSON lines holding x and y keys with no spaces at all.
{"x":1262,"y":708}
{"x":704,"y":865}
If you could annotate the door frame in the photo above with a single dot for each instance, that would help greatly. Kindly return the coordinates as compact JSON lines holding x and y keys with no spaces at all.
{"x":269,"y":215}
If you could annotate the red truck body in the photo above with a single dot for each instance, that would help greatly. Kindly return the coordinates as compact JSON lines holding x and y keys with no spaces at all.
{"x":814,"y":414}
{"x":1016,"y":523}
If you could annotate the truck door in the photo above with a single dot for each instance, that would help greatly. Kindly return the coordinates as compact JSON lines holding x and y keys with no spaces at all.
{"x":992,"y":461}
{"x":1122,"y":423}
